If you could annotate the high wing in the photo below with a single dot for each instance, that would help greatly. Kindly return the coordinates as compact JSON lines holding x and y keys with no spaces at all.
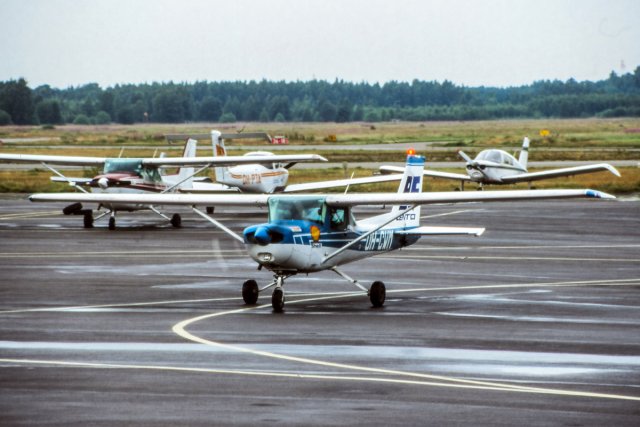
{"x":458,"y":197}
{"x":310,"y":186}
{"x":164,"y":161}
{"x":54,"y":160}
{"x":353,"y":199}
{"x":554,"y":173}
{"x":233,"y":160}
{"x":427,"y":172}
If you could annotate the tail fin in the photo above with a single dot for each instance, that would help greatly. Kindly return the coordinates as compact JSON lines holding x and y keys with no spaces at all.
{"x":217,"y":143}
{"x":186,"y":172}
{"x":411,"y":183}
{"x":524,"y":154}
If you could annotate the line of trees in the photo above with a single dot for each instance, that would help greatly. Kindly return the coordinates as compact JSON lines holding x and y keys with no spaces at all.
{"x":315,"y":101}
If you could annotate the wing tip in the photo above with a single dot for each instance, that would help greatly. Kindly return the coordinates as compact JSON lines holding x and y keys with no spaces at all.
{"x":599,"y":195}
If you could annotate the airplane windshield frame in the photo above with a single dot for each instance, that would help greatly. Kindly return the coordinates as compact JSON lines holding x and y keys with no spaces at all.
{"x":299,"y":208}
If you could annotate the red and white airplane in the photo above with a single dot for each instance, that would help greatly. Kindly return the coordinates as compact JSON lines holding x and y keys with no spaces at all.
{"x":144,"y":175}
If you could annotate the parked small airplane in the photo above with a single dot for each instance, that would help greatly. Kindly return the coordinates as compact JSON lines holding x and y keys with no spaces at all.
{"x":142,"y":175}
{"x":499,"y":167}
{"x":264,"y":177}
{"x":311,"y":233}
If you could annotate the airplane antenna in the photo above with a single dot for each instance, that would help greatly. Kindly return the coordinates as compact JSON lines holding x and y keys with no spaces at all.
{"x":121,"y":151}
{"x":347,"y":189}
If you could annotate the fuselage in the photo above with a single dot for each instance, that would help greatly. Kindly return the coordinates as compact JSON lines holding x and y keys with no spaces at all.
{"x":256,"y":178}
{"x":490,"y":166}
{"x":129,"y":176}
{"x":297,"y":239}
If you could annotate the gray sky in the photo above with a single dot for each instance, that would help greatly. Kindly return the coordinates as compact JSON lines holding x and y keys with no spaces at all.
{"x":490,"y":42}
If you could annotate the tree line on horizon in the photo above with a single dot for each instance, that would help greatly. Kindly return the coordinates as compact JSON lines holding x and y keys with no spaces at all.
{"x":315,"y":101}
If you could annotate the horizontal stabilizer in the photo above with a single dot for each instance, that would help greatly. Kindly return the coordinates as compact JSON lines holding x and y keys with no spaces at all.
{"x":442,"y":231}
{"x":76,"y":180}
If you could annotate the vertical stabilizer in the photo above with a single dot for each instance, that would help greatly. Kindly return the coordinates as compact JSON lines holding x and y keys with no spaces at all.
{"x":186,"y":173}
{"x":219,"y":150}
{"x":524,"y":154}
{"x":411,"y":183}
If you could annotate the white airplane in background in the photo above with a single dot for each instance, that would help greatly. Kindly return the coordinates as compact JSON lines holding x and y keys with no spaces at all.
{"x":263,"y":177}
{"x":316,"y":232}
{"x":499,"y":167}
{"x":141,"y":175}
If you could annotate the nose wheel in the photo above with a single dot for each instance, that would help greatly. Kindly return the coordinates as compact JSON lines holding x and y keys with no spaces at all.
{"x":277,"y":300}
{"x":251,"y":291}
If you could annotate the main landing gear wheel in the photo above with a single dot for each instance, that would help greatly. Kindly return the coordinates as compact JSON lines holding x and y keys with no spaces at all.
{"x":112,"y":223}
{"x":250,"y":292}
{"x":277,"y":300}
{"x":210,"y":210}
{"x":176,"y":220}
{"x":88,"y":220}
{"x":377,"y":294}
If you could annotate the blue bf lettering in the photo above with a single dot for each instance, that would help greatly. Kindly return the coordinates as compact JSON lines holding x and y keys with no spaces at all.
{"x":412,"y":184}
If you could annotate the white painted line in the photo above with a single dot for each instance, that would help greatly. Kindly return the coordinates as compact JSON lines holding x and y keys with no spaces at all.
{"x":180,"y":329}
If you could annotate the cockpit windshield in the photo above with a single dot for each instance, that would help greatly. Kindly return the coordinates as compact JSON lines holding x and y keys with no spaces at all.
{"x":490,"y":156}
{"x":133,"y":166}
{"x":298,"y":208}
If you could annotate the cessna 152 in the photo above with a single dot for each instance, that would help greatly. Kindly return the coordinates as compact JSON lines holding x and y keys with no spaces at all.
{"x":310,"y":233}
{"x":142,"y":175}
{"x":499,"y":167}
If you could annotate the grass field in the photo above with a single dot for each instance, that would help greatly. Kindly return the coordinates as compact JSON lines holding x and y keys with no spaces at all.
{"x":601,"y":139}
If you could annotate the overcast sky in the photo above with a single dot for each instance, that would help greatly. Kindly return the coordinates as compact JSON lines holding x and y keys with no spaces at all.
{"x":491,"y":42}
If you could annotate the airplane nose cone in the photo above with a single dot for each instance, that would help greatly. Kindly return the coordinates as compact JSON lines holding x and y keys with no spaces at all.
{"x":262,"y":236}
{"x":103,"y":183}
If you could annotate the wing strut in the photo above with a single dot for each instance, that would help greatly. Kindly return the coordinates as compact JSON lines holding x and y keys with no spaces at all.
{"x":365,"y":235}
{"x":218,"y":224}
{"x":64,"y":177}
{"x":187,"y":178}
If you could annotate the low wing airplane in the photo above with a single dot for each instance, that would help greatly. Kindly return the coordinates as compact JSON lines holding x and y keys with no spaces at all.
{"x":311,"y":233}
{"x":499,"y":167}
{"x":264,"y":177}
{"x":142,"y":175}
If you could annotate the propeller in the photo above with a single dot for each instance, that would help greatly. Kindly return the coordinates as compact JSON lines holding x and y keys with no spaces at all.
{"x":471,"y":164}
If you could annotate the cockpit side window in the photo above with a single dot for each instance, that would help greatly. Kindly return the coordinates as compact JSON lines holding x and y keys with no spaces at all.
{"x":339,"y":218}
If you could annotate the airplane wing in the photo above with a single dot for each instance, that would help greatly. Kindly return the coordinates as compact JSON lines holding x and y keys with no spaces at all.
{"x":232,"y":160}
{"x":554,"y":173}
{"x":458,"y":197}
{"x":427,"y":172}
{"x":353,"y":199}
{"x":54,"y":160}
{"x":310,"y":186}
{"x":164,"y":161}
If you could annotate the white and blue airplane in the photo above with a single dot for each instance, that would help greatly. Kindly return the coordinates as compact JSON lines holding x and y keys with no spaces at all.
{"x":315,"y":232}
{"x":497,"y":167}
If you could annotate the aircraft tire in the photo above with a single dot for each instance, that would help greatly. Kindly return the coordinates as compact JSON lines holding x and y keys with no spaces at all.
{"x":277,"y":300}
{"x":250,"y":292}
{"x":377,"y":294}
{"x":176,"y":220}
{"x":112,"y":223}
{"x":88,"y":220}
{"x":72,"y":209}
{"x":210,"y":210}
